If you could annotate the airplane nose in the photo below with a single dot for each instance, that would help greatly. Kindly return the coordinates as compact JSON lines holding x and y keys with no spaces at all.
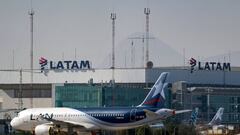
{"x":13,"y":123}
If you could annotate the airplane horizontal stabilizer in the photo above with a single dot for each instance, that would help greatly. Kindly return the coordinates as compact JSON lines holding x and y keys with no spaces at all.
{"x":150,"y":113}
{"x":182,"y":111}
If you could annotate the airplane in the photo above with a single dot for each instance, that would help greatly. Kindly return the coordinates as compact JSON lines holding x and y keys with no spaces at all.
{"x":45,"y":121}
{"x":216,"y":120}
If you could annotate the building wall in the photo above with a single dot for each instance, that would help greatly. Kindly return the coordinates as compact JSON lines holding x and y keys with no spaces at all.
{"x":10,"y":93}
{"x":140,"y":75}
{"x":197,"y":77}
{"x":209,"y":99}
{"x":76,"y":76}
{"x":9,"y":102}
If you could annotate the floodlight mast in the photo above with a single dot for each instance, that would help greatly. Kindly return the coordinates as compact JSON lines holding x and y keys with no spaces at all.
{"x":113,"y":18}
{"x":147,"y":13}
{"x":31,"y":13}
{"x":20,"y":101}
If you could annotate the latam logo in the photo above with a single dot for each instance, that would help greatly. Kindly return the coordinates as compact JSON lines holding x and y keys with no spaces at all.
{"x":43,"y":63}
{"x":216,"y":66}
{"x":63,"y":65}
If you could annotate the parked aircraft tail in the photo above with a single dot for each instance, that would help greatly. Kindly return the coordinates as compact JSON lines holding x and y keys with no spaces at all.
{"x":217,"y":118}
{"x":156,"y":97}
{"x":193,"y":118}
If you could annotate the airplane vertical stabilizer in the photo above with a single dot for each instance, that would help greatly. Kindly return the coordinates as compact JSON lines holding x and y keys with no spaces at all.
{"x":193,"y":118}
{"x":217,"y":118}
{"x":156,"y":97}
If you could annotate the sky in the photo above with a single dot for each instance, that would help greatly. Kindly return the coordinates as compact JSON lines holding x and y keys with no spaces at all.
{"x":203,"y":28}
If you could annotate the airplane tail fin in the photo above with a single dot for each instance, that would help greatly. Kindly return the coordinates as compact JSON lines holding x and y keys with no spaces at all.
{"x":217,"y":118}
{"x":193,"y":118}
{"x":156,"y":96}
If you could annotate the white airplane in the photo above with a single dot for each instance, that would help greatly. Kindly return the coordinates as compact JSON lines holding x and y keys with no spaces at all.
{"x":215,"y":122}
{"x":45,"y":121}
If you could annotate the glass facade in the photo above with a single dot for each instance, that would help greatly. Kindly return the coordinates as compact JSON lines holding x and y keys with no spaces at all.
{"x":76,"y":95}
{"x":123,"y":96}
{"x":84,"y":95}
{"x":210,"y":99}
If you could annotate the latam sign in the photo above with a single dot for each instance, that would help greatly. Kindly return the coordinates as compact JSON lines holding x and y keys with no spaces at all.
{"x":217,"y":66}
{"x":63,"y":65}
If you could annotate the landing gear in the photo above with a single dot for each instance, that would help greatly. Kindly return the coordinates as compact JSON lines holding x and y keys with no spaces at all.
{"x":75,"y":133}
{"x":96,"y":132}
{"x":71,"y":132}
{"x":93,"y":133}
{"x":51,"y":131}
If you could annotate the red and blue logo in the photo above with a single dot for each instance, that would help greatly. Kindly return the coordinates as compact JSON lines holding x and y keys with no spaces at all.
{"x":193,"y":63}
{"x":43,"y":63}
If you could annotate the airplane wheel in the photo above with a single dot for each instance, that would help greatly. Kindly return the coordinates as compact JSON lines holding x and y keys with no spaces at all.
{"x":93,"y":133}
{"x":51,"y":131}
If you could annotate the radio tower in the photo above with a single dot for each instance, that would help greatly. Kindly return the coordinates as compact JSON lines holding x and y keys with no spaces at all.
{"x":31,"y":13}
{"x":147,"y":13}
{"x":113,"y":18}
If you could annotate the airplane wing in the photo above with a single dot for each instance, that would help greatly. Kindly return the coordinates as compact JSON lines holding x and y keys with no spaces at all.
{"x":164,"y":113}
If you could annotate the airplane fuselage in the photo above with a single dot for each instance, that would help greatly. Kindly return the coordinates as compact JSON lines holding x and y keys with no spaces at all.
{"x":90,"y":118}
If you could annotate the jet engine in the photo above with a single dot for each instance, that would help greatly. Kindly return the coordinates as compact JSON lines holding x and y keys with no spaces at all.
{"x":44,"y":129}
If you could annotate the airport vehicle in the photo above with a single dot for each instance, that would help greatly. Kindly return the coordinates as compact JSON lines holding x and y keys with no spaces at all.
{"x":45,"y":121}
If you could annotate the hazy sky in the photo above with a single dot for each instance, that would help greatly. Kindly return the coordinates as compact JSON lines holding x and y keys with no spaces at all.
{"x":204,"y":28}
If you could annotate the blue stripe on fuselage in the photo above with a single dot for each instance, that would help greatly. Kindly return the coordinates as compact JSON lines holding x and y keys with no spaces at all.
{"x":117,"y":115}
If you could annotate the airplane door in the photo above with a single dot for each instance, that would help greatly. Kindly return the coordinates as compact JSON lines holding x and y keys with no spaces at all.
{"x":133,"y":114}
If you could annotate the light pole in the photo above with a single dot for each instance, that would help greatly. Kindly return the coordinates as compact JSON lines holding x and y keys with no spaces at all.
{"x":208,"y":101}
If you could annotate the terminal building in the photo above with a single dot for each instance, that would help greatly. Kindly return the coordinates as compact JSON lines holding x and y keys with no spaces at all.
{"x":206,"y":89}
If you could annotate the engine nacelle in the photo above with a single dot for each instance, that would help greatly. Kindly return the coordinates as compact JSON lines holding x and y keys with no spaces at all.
{"x":43,"y":129}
